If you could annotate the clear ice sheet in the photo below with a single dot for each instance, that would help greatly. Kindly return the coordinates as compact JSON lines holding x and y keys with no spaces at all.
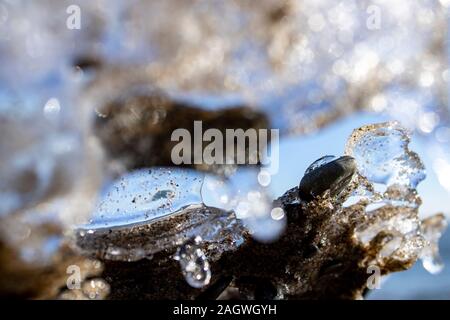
{"x":145,"y":195}
{"x":152,"y":194}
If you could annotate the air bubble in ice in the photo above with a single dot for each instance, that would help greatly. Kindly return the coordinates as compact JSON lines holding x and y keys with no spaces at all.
{"x":383,"y":158}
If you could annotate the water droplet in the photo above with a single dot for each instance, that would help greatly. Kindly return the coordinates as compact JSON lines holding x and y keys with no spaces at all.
{"x":264,"y":178}
{"x":388,"y":173}
{"x":277,"y":213}
{"x":193,"y":262}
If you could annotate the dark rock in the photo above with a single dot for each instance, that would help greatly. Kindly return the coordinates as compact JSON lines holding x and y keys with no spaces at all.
{"x":332,"y":176}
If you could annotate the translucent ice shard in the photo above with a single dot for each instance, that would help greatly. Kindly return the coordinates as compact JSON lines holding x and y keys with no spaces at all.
{"x":388,"y":173}
{"x":193,"y":262}
{"x":172,"y":205}
{"x":432,"y":229}
{"x":164,"y":204}
{"x":382,"y":155}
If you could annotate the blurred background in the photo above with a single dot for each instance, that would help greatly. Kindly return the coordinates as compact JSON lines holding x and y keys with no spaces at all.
{"x":314,"y":69}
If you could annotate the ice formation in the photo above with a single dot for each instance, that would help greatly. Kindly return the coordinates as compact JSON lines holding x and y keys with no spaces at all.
{"x":388,"y":174}
{"x":301,"y":63}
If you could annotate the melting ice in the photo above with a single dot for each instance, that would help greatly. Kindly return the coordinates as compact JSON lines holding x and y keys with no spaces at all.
{"x":146,"y":195}
{"x":388,"y":173}
{"x":205,"y":207}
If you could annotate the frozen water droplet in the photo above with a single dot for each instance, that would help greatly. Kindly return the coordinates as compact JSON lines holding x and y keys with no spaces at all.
{"x":382,"y":155}
{"x":432,"y":229}
{"x":193,"y":262}
{"x":319,"y":162}
{"x":264,"y":178}
{"x":277,"y":213}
